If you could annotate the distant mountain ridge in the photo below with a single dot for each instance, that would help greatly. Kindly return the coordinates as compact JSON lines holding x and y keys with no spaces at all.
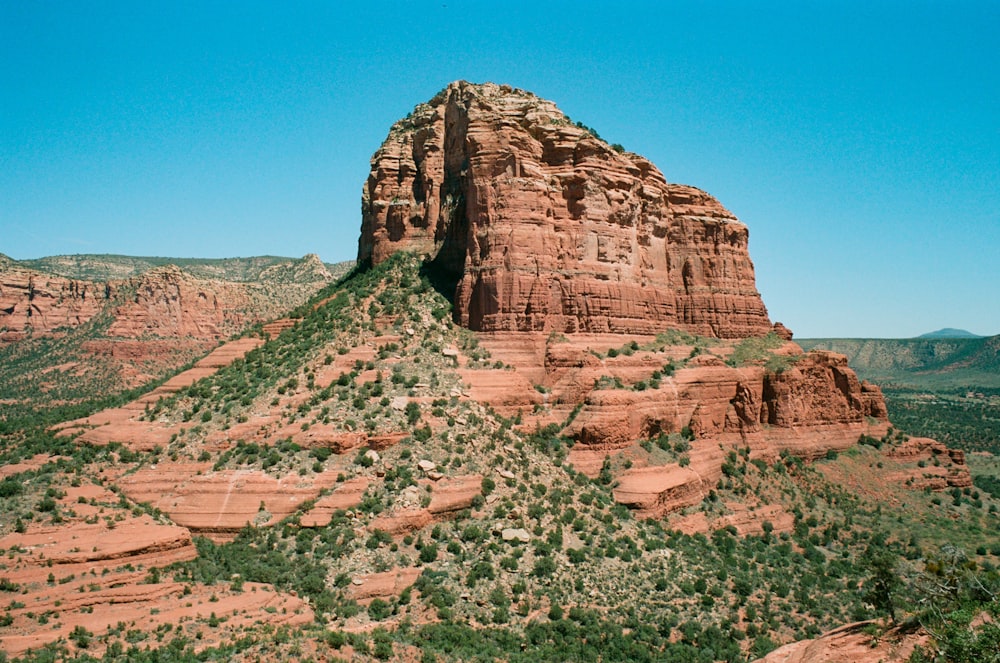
{"x":107,"y":267}
{"x":928,"y":361}
{"x":44,"y":295}
{"x":950,"y":332}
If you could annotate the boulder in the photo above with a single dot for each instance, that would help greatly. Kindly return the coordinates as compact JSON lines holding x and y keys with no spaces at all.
{"x":515,"y":535}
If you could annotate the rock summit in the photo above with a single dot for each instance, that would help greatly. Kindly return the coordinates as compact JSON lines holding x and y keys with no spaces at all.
{"x":533,"y":223}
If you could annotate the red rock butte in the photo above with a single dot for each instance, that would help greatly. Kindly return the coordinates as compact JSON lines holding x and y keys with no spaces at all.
{"x":541,"y":226}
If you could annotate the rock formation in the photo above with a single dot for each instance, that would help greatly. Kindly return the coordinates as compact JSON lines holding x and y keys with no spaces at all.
{"x":164,"y":301}
{"x":105,"y":558}
{"x":167,"y":302}
{"x":815,"y":405}
{"x":536,"y":227}
{"x":716,"y":400}
{"x":853,"y":643}
{"x":33,"y":302}
{"x":542,"y":226}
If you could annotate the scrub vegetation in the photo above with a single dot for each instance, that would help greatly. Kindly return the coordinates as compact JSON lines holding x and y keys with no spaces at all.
{"x":591,"y":582}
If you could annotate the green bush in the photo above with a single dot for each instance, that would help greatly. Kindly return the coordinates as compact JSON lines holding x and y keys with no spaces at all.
{"x":428,"y":553}
{"x":379,"y":609}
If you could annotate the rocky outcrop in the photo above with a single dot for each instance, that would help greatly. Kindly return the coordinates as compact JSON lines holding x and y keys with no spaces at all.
{"x":101,"y":567}
{"x":37,"y":303}
{"x":853,"y":643}
{"x":806,"y":404}
{"x":346,"y":495}
{"x":714,"y":399}
{"x":450,"y":496}
{"x":657,"y":490}
{"x":543,"y":226}
{"x":219,"y":504}
{"x":385,"y":585}
{"x":821,"y":387}
{"x":163,"y":302}
{"x":746,"y":520}
{"x":936,"y":466}
{"x":167,"y":302}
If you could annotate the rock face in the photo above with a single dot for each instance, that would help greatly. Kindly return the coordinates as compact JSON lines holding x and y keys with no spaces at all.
{"x":167,"y":302}
{"x":219,"y":504}
{"x":162,"y":302}
{"x":107,"y":560}
{"x":542,"y":226}
{"x":717,"y":400}
{"x":35,"y":302}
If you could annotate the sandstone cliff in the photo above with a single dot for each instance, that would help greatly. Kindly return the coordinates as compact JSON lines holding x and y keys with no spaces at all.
{"x":542,"y":226}
{"x":167,"y":302}
{"x":164,"y":301}
{"x":33,"y":302}
{"x":716,"y":400}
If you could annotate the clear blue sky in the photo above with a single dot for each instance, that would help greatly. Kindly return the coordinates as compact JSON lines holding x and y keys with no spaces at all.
{"x":859,"y":141}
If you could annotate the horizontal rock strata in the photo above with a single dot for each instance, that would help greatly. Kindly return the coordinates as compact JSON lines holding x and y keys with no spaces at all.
{"x":543,"y":226}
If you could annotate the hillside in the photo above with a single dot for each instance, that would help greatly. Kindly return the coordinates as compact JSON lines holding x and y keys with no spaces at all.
{"x":383,"y":495}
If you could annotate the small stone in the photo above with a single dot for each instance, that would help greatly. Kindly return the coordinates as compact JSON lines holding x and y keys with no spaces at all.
{"x":399,"y":403}
{"x":427,"y":465}
{"x":435,"y":476}
{"x":506,"y":474}
{"x":371,"y":453}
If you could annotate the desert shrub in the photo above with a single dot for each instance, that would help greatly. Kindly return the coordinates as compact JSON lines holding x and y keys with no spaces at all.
{"x":379,"y":609}
{"x":412,"y":412}
{"x":428,"y":553}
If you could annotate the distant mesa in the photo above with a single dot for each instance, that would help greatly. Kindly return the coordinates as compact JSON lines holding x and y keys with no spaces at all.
{"x":950,"y":332}
{"x":530,"y":222}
